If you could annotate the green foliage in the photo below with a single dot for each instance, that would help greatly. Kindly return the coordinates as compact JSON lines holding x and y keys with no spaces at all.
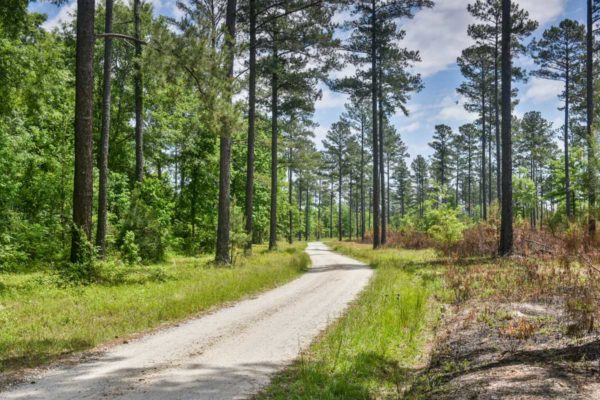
{"x":445,"y":225}
{"x":129,"y":249}
{"x":149,"y":219}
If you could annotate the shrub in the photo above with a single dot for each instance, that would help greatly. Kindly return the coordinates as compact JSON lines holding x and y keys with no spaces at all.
{"x":149,"y":218}
{"x":129,"y":249}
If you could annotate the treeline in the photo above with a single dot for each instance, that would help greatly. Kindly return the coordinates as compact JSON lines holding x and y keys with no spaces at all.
{"x":195,"y":131}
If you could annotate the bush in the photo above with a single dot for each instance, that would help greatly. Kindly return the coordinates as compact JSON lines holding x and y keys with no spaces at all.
{"x":10,"y":255}
{"x":149,"y":219}
{"x":129,"y":249}
{"x":445,"y":226}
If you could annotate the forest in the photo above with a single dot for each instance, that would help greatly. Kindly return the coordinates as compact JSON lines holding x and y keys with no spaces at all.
{"x":155,"y":166}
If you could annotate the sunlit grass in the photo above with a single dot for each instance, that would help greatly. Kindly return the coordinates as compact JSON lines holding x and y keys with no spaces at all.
{"x":40,"y":321}
{"x":377,"y":346}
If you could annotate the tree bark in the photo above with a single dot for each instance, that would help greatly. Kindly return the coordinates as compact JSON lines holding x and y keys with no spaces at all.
{"x":362,"y":178}
{"x":566,"y":142}
{"x":251,"y":128}
{"x":340,"y":233}
{"x":83,"y":184}
{"x":139,"y":102}
{"x":290,"y":199}
{"x":590,"y":119}
{"x":376,"y":190}
{"x":381,"y":161}
{"x":506,"y":224}
{"x":483,"y":146}
{"x":104,"y":135}
{"x":307,"y":216}
{"x":223,"y":256}
{"x":497,"y":123}
{"x":274,"y":138}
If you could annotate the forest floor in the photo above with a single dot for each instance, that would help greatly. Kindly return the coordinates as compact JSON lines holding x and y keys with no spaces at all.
{"x":44,"y":319}
{"x":227,"y":354}
{"x":517,"y":329}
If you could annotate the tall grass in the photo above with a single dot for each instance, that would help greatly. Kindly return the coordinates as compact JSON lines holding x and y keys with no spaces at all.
{"x":373,"y":350}
{"x":41,"y":321}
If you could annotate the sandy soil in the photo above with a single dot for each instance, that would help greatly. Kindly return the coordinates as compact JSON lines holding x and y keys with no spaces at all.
{"x":229,"y":354}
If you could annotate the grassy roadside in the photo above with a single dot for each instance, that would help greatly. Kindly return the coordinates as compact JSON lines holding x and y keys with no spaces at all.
{"x":374,"y":350}
{"x":40,"y":321}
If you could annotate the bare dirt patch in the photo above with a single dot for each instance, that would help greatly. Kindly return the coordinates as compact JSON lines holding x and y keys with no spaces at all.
{"x":497,"y":350}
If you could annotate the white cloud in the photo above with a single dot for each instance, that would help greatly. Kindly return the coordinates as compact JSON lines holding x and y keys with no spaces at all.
{"x":543,"y":11}
{"x":541,"y":90}
{"x":412,"y":127}
{"x":440,"y":34}
{"x":331,"y":99}
{"x":66,"y":14}
{"x":453,"y":109}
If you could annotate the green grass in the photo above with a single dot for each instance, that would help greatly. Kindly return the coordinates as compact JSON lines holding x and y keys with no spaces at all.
{"x":375,"y":349}
{"x":41,"y":321}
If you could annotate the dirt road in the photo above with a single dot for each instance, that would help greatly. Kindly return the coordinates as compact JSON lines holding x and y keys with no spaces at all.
{"x":228,"y":354}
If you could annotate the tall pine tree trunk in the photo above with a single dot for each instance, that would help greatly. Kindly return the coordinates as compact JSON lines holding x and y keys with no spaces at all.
{"x":497,"y":122}
{"x":290,"y":200}
{"x":506,"y":224}
{"x":362,"y":178}
{"x":566,"y":142}
{"x":331,"y":210}
{"x":104,"y":135}
{"x":83,"y":185}
{"x":251,"y":127}
{"x":376,"y":190}
{"x":223,"y":256}
{"x":591,"y":158}
{"x":274,"y":139}
{"x":340,"y":232}
{"x":381,"y":161}
{"x":139,"y":102}
{"x":483,"y":146}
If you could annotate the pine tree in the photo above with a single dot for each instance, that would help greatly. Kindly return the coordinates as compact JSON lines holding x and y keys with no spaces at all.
{"x":105,"y":133}
{"x":372,"y":24}
{"x":506,"y":218}
{"x":476,"y":66}
{"x":420,"y":181}
{"x":84,"y":132}
{"x":336,"y":146}
{"x":442,"y":154}
{"x":559,"y":54}
{"x":489,"y":33}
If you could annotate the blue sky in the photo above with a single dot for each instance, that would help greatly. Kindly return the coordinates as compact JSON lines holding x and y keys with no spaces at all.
{"x":440,"y":35}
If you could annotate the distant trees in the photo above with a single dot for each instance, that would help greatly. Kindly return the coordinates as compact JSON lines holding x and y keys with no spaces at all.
{"x":336,"y":147}
{"x":559,"y":54}
{"x":442,"y":154}
{"x":373,"y":44}
{"x":488,"y":32}
{"x":420,"y":178}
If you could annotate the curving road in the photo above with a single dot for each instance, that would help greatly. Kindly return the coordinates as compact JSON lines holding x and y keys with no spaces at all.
{"x":228,"y":354}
